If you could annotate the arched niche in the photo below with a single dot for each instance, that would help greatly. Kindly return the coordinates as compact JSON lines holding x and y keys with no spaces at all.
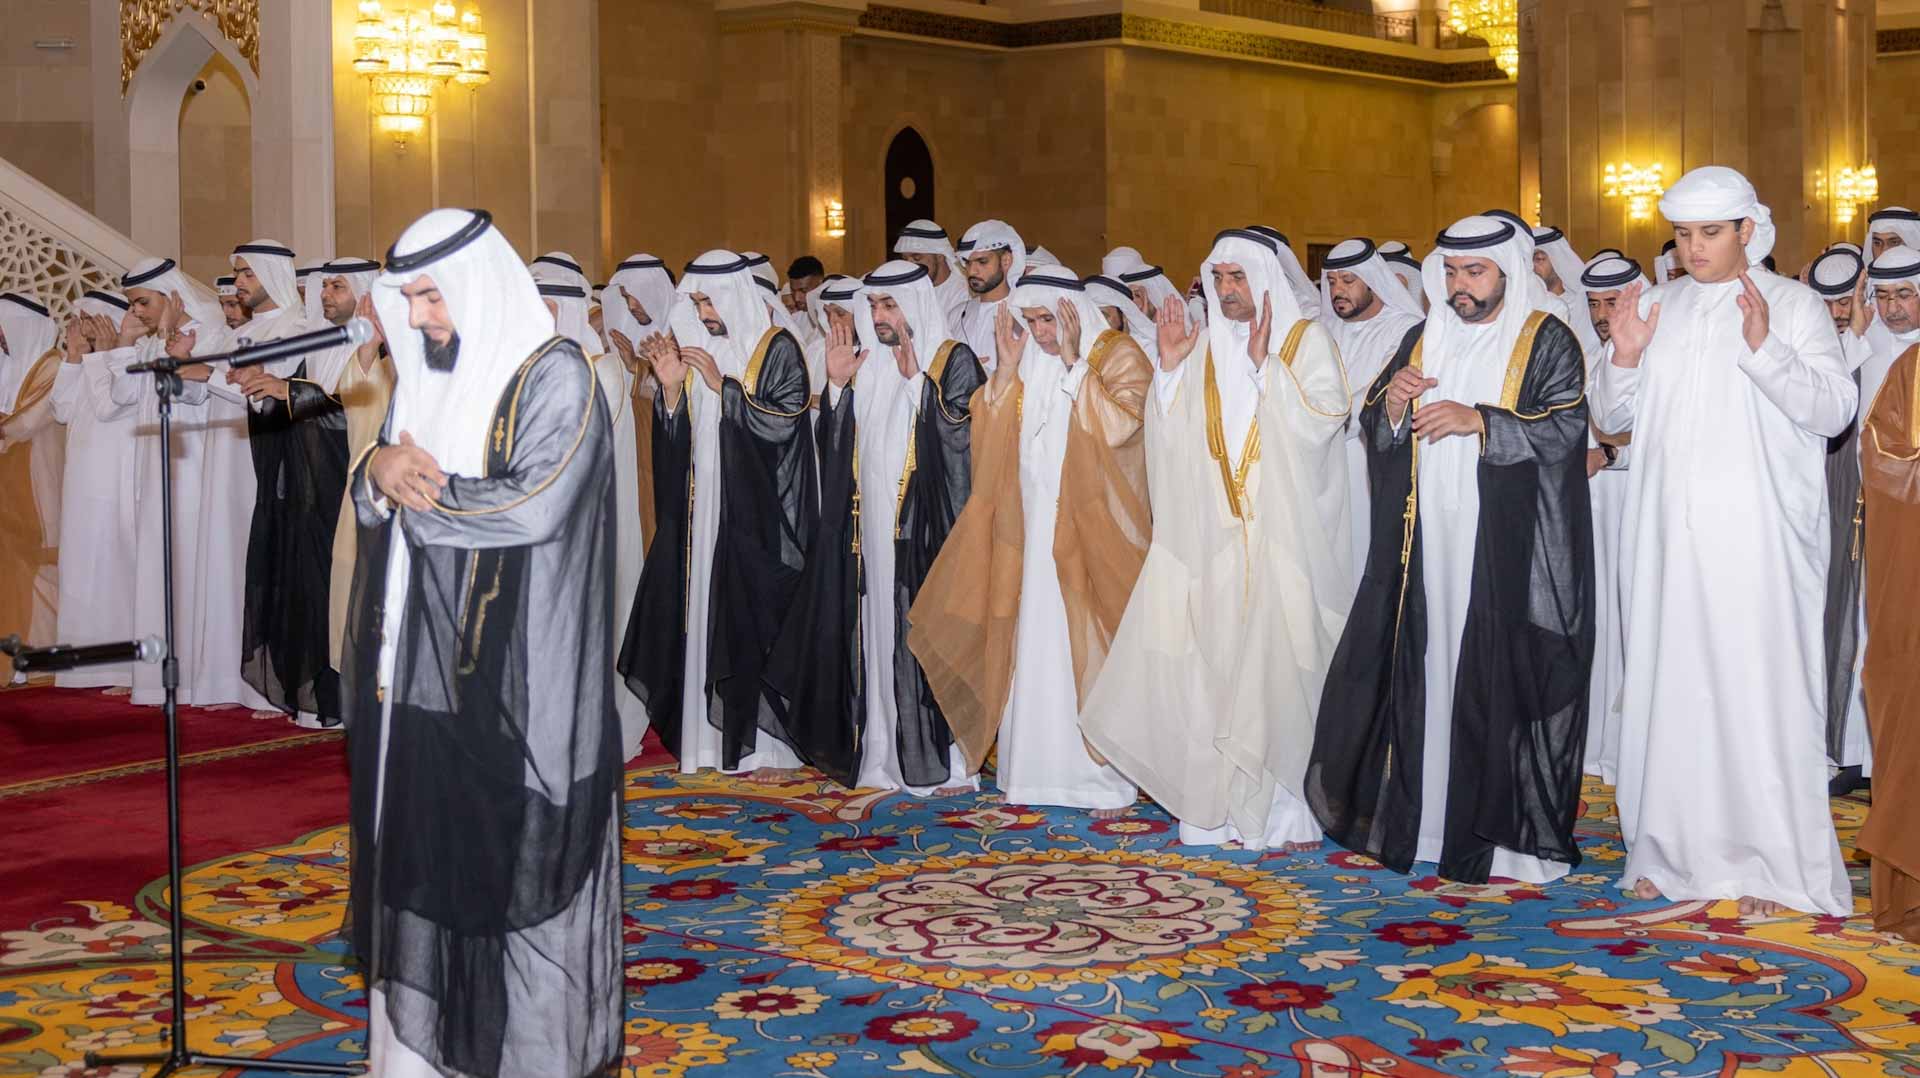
{"x":153,"y":108}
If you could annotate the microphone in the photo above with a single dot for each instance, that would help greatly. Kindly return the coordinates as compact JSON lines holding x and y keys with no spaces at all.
{"x":150,"y":649}
{"x":355,"y":333}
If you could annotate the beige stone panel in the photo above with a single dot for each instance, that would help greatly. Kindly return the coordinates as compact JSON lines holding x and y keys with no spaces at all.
{"x":1895,"y":110}
{"x":216,"y":172}
{"x":46,"y":110}
{"x":658,"y":83}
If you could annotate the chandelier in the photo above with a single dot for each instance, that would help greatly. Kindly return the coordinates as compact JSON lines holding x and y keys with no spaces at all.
{"x":406,"y":56}
{"x":1638,"y":184}
{"x":1852,"y":189}
{"x":1496,"y":22}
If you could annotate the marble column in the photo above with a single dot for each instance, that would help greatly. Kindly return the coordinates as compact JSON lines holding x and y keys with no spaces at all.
{"x":1775,"y":88}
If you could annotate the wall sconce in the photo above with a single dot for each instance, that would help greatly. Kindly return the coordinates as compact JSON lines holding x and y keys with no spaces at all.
{"x":836,"y":218}
{"x":1638,"y":185}
{"x":1853,"y":189}
{"x":407,"y":56}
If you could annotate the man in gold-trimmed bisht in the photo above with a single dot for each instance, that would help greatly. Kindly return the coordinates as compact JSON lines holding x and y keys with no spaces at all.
{"x":895,"y":472}
{"x":1015,"y":619}
{"x":735,"y":504}
{"x":483,"y":743}
{"x":1890,"y":483}
{"x":1208,"y":697}
{"x":32,"y":456}
{"x":1455,"y":715}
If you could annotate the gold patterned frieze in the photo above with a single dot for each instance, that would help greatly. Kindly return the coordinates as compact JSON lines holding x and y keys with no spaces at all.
{"x":143,"y":21}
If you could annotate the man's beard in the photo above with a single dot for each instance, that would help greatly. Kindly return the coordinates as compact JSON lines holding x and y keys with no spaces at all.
{"x":1477,"y":309}
{"x":886,"y":334}
{"x":1354,"y":307}
{"x":981,"y":288}
{"x":440,"y":357}
{"x":339,"y":316}
{"x":1604,"y":330}
{"x":715,"y":326}
{"x":251,"y":301}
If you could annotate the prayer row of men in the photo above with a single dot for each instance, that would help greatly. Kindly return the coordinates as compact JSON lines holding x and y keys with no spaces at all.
{"x":1502,"y":513}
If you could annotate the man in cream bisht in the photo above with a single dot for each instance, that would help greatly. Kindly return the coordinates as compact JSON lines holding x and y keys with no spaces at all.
{"x":1369,"y":314}
{"x":213,"y":487}
{"x":1207,"y":696}
{"x":31,"y":462}
{"x":482,"y":743}
{"x":926,"y":244}
{"x":895,"y":472}
{"x":364,"y":387}
{"x":1013,"y":623}
{"x":1452,"y":725}
{"x":1731,"y":380}
{"x":735,"y":502}
{"x":96,"y":494}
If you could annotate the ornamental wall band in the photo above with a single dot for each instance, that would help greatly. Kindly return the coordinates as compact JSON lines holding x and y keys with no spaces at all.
{"x":143,"y":21}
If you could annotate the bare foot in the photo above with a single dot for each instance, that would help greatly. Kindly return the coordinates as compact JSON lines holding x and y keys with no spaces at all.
{"x":952,"y":791}
{"x":1760,"y":907}
{"x":1301,"y":847}
{"x":1108,"y":814}
{"x":1645,"y":891}
{"x":219,"y":707}
{"x":773,"y":776}
{"x":268,"y":713}
{"x":120,"y":690}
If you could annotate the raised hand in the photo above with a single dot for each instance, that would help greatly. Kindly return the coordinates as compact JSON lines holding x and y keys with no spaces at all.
{"x":702,"y":360}
{"x":1862,"y":308}
{"x":1754,"y":320}
{"x":1007,"y":336}
{"x":905,"y":356}
{"x":625,"y":347}
{"x":844,"y":355}
{"x":74,"y":340}
{"x":1632,"y":333}
{"x":1261,"y":337}
{"x":1176,"y":335}
{"x":172,"y":314}
{"x":180,"y":345}
{"x":1405,"y":387}
{"x":131,"y":330}
{"x":1069,"y":319}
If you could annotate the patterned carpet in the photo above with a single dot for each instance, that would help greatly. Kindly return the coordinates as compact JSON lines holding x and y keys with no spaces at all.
{"x":801,"y":931}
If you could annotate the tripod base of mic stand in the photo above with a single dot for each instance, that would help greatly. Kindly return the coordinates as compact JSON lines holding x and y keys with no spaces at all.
{"x":178,"y":1061}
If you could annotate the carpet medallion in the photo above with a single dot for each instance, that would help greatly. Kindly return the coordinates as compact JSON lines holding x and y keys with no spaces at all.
{"x":801,"y":931}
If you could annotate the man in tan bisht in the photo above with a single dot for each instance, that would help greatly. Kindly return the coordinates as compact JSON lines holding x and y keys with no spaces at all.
{"x":1016,"y":615}
{"x":1209,"y":696}
{"x":364,"y":389}
{"x":32,"y":458}
{"x":1890,"y":492}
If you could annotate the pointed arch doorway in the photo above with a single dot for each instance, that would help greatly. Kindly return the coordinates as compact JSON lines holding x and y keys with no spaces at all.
{"x":909,"y":179}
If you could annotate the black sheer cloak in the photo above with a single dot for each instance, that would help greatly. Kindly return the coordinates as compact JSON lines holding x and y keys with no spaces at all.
{"x":501,"y":777}
{"x":937,"y":491}
{"x":653,"y":652}
{"x":769,"y":507}
{"x":1520,"y":698}
{"x":299,"y":452}
{"x":1841,"y":621}
{"x":815,"y":668}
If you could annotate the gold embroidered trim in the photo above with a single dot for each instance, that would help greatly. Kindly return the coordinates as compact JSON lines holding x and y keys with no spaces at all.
{"x":513,"y":412}
{"x":752,"y":380}
{"x":1233,"y":479}
{"x":1519,"y":360}
{"x":54,"y":356}
{"x":332,"y":397}
{"x":1409,"y":518}
{"x":937,"y":372}
{"x":1103,"y":346}
{"x":1287,"y":355}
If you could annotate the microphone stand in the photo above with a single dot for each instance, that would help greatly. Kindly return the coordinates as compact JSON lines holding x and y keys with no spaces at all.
{"x":168,"y":384}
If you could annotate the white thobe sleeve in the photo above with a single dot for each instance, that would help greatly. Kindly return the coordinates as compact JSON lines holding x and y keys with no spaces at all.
{"x":833,"y":394}
{"x":1615,"y":390}
{"x":128,"y":388}
{"x":1319,"y":408}
{"x":97,"y":373}
{"x":66,"y":391}
{"x":1166,"y":386}
{"x":1800,"y":369}
{"x":1856,"y":350}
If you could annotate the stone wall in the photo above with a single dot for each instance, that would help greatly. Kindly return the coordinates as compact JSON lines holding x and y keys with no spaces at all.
{"x":216,"y":171}
{"x":46,"y":113}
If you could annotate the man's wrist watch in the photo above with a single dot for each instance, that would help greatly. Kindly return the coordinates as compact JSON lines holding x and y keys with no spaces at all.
{"x":1609,"y":452}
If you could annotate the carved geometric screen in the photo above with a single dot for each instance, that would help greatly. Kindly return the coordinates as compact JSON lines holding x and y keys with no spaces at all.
{"x":36,"y":264}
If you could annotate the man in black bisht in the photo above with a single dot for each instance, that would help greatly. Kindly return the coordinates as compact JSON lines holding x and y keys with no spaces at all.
{"x":895,"y":471}
{"x":484,"y":747}
{"x":1454,"y":718}
{"x":735,"y":504}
